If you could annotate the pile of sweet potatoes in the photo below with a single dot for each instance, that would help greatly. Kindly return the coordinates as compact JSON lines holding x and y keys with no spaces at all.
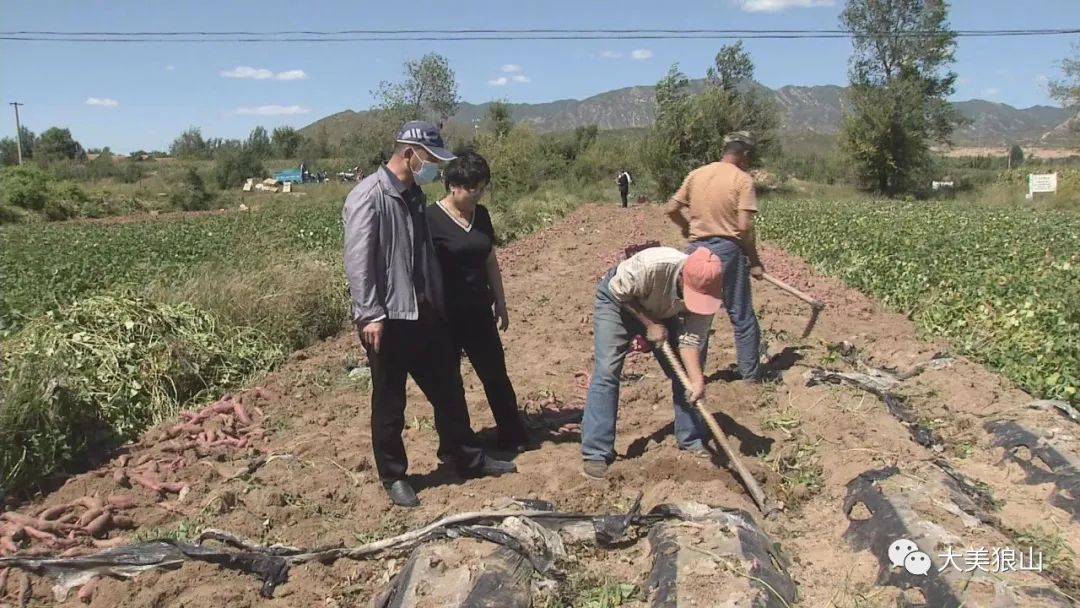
{"x":63,"y":527}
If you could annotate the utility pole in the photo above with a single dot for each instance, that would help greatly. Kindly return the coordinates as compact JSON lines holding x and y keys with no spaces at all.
{"x":18,"y":129}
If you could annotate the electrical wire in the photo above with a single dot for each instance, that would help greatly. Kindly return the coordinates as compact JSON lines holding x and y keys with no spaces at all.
{"x":291,"y":36}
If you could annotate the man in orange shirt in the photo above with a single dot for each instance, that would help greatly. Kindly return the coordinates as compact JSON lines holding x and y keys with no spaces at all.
{"x":721,"y":203}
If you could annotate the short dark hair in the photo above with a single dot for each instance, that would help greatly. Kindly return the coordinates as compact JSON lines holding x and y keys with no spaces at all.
{"x":737,"y":148}
{"x":468,"y":170}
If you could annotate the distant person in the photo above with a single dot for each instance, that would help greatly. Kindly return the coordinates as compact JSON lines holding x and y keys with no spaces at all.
{"x":398,"y":307}
{"x":464,"y":241}
{"x":624,"y":181}
{"x":720,"y":201}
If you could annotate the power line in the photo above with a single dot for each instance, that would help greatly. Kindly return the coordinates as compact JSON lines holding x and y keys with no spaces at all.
{"x":489,"y":35}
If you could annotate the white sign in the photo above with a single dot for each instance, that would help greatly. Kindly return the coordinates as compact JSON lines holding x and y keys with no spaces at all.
{"x":940,"y":185}
{"x":1042,"y":183}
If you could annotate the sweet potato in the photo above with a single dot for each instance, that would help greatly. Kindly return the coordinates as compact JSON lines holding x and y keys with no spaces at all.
{"x":89,"y":516}
{"x":40,"y":535}
{"x":3,"y":581}
{"x":55,"y":512}
{"x":146,"y":481}
{"x":121,"y":501}
{"x":25,"y":591}
{"x":184,"y":430}
{"x":121,"y":478}
{"x":29,"y":522}
{"x":7,"y":546}
{"x":75,"y":551}
{"x":109,"y":543}
{"x":86,"y":592}
{"x":174,"y":487}
{"x":90,"y":503}
{"x":68,"y":518}
{"x":145,"y":458}
{"x":122,"y":461}
{"x":101,"y":525}
{"x":241,"y":414}
{"x":262,"y":393}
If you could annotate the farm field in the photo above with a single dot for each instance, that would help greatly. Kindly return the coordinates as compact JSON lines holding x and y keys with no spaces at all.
{"x":941,"y":450}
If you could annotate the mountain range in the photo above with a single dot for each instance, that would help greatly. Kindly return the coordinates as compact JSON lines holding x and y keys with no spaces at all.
{"x":804,"y":109}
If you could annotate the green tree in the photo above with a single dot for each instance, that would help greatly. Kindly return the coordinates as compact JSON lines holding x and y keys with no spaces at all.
{"x":900,"y":83}
{"x":233,"y":166}
{"x":732,"y":67}
{"x":1016,"y":156}
{"x":190,"y":145}
{"x":428,"y":92}
{"x":690,"y":127}
{"x":498,"y":115}
{"x":9,"y":152}
{"x":57,"y":144}
{"x":1066,"y":90}
{"x":286,"y":141}
{"x":258,"y":143}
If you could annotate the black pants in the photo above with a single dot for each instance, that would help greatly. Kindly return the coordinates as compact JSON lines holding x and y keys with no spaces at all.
{"x":622,"y":193}
{"x":475,"y":332}
{"x":422,"y":349}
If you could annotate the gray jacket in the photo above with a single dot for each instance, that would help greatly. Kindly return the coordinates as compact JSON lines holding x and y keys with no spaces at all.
{"x":379,"y":252}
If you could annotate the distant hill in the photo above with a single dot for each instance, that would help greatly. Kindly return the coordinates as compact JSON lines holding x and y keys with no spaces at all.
{"x":813,"y":109}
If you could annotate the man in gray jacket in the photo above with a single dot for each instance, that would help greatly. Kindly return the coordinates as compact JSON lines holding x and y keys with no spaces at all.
{"x":398,"y":307}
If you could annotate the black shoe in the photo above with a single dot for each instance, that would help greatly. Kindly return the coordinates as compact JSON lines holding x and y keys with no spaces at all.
{"x":402,"y":494}
{"x":489,"y":467}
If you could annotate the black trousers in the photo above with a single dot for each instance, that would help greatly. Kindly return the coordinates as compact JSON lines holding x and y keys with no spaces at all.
{"x":422,"y":349}
{"x":474,"y":331}
{"x":622,"y":193}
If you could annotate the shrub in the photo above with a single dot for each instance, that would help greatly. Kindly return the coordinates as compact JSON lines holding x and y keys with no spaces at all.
{"x":234,"y":166}
{"x":26,"y":187}
{"x":191,"y":194}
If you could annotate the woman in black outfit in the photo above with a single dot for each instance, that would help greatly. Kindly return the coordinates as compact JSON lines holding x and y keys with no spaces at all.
{"x":465,"y":244}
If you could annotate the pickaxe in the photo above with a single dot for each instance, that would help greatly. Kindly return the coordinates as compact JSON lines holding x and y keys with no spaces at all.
{"x":771,"y":510}
{"x":815,"y":306}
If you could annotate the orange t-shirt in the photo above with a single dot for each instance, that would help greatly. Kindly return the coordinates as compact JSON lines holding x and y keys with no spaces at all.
{"x":715,"y":193}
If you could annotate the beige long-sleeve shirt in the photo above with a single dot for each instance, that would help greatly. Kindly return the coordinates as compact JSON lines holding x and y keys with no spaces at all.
{"x":650,"y":278}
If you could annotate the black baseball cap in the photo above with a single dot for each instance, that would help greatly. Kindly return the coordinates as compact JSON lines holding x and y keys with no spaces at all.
{"x":426,"y":135}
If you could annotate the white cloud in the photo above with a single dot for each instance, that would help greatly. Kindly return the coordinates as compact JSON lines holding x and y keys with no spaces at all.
{"x":244,"y":71}
{"x":990,"y":93}
{"x":501,"y":81}
{"x":171,"y":68}
{"x":102,"y":101}
{"x":510,"y":68}
{"x":641,"y":54}
{"x":1042,"y":80}
{"x":611,"y":55}
{"x":521,"y":78}
{"x":292,"y":75}
{"x":772,"y":6}
{"x":274,"y":110}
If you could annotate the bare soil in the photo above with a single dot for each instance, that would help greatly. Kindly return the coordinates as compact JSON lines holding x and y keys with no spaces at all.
{"x":806,"y":442}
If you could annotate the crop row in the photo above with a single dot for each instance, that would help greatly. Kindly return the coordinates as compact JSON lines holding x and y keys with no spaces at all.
{"x":1002,"y":284}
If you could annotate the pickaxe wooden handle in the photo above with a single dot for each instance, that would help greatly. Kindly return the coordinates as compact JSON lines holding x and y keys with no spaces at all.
{"x":815,"y":306}
{"x":718,"y":434}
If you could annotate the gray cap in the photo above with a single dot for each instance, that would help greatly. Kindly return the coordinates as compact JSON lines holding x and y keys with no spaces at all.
{"x":426,"y":135}
{"x":739,"y":136}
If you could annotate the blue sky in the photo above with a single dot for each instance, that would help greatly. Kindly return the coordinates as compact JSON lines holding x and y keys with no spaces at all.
{"x":130,"y":96}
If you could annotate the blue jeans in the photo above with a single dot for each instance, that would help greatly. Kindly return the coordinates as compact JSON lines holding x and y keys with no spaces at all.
{"x":613,"y":328}
{"x":740,"y":307}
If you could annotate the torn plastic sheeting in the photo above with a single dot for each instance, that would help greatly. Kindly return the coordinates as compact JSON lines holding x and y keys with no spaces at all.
{"x":1062,"y":468}
{"x":271,"y":564}
{"x":132,"y":560}
{"x":691,"y":571}
{"x":900,"y":510}
{"x":895,"y":404}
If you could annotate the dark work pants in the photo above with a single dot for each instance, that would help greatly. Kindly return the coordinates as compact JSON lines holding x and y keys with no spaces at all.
{"x":623,"y":192}
{"x":475,"y":332}
{"x":422,"y":349}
